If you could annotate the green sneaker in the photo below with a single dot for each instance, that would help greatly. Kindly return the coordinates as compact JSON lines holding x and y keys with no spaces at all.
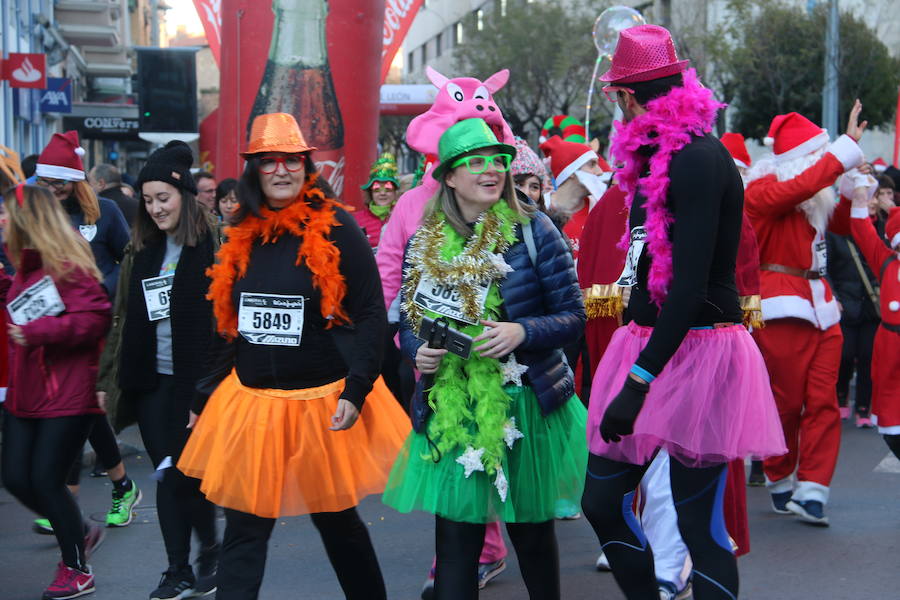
{"x":42,"y":526}
{"x":122,"y":511}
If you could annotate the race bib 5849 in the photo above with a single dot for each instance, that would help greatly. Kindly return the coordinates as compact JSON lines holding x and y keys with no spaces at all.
{"x":271,"y":319}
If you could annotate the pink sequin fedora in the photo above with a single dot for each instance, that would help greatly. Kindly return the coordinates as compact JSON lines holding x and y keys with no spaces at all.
{"x":643,"y":53}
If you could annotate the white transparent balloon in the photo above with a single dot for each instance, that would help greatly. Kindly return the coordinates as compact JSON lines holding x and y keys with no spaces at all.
{"x":608,"y":25}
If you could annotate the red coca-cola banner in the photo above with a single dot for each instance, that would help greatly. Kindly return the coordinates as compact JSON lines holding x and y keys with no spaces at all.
{"x":896,"y":162}
{"x":398,"y":16}
{"x":210,"y":12}
{"x":315,"y":59}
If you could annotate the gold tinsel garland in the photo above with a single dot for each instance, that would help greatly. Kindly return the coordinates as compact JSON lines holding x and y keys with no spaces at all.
{"x":473,"y":267}
{"x":752,"y":309}
{"x":603,"y":300}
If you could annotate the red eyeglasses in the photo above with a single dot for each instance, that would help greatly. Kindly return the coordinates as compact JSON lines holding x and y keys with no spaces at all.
{"x":612,"y":91}
{"x":292,"y":163}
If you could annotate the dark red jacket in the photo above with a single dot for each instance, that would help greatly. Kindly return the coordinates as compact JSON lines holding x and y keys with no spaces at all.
{"x":55,"y":375}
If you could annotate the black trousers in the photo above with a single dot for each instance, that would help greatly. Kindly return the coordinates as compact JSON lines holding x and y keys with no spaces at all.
{"x":859,"y":338}
{"x":103,"y":440}
{"x":697,"y":493}
{"x":458,"y":546}
{"x":242,"y":562}
{"x":37,"y":456}
{"x":397,"y":371}
{"x":180,"y":504}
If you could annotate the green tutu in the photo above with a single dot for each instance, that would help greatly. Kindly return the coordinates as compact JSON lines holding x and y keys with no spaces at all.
{"x":544,"y":467}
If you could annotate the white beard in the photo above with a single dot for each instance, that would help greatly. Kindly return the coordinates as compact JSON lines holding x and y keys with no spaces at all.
{"x":820,"y":207}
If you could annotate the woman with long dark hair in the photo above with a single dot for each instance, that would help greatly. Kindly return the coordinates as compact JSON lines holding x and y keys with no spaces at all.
{"x":298,"y":421}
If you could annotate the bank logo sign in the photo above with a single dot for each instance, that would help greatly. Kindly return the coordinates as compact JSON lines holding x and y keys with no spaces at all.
{"x":57,"y":98}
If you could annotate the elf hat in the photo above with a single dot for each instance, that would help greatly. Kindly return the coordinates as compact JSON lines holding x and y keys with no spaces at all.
{"x":892,"y":227}
{"x":61,"y":159}
{"x":462,"y":138}
{"x":171,"y":164}
{"x":566,"y":157}
{"x":384,"y":169}
{"x":643,"y":53}
{"x":793,"y":135}
{"x":737,"y":148}
{"x":275,"y":132}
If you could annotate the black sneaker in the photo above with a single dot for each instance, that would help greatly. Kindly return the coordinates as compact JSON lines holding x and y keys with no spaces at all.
{"x":757,"y":477}
{"x":809,"y":511}
{"x":780,"y":502}
{"x":207,"y":564}
{"x":176,"y":583}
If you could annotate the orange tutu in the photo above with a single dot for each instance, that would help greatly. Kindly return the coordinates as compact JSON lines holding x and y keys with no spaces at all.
{"x":270,"y":452}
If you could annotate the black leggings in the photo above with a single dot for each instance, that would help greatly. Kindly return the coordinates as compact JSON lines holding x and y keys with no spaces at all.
{"x":458,"y":546}
{"x":242,"y":562}
{"x":103,"y":440}
{"x":180,"y":504}
{"x":697,"y":493}
{"x":37,"y":454}
{"x":856,"y":354}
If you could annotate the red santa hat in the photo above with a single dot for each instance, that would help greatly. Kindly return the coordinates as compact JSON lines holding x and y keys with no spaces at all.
{"x":892,"y":227}
{"x":793,"y":135}
{"x":737,"y":148}
{"x":879,"y":164}
{"x":61,"y":159}
{"x":566,"y":157}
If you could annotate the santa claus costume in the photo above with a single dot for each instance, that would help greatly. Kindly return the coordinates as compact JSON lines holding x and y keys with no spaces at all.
{"x":685,"y":354}
{"x":885,"y":263}
{"x":790,"y":204}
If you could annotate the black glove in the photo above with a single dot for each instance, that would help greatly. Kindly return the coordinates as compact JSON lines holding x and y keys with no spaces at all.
{"x":620,"y":415}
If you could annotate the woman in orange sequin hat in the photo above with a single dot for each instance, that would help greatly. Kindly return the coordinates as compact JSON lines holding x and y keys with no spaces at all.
{"x":298,"y":421}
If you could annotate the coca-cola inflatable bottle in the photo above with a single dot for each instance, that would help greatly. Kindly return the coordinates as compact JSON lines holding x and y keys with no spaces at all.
{"x":298,"y":81}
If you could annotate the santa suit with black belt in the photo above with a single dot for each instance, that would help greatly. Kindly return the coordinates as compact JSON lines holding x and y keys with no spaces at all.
{"x":801,"y":342}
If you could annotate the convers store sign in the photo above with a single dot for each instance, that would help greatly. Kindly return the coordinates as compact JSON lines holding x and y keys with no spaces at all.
{"x":120,"y":128}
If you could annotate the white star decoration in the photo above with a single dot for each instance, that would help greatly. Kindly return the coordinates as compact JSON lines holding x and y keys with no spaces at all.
{"x":511,"y":434}
{"x":501,"y":484}
{"x":500,"y":265}
{"x":471,"y":460}
{"x":512,"y":371}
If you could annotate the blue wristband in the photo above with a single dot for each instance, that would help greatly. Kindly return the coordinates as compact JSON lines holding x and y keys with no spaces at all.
{"x":642,"y":373}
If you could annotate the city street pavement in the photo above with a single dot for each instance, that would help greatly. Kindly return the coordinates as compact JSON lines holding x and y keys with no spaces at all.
{"x":856,"y":558}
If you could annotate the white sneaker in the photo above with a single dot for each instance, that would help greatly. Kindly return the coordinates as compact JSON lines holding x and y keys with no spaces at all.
{"x":603,"y":562}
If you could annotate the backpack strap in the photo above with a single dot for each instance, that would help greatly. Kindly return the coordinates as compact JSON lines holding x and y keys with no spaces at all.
{"x":885,"y":264}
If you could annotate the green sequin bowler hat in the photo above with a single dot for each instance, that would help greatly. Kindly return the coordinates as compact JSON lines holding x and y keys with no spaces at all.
{"x":384,"y":169}
{"x":462,"y":138}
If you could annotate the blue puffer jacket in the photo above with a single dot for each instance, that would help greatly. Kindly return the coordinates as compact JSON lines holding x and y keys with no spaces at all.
{"x":546,"y":300}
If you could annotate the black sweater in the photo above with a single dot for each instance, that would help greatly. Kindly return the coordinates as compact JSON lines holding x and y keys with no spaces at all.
{"x":353,"y":351}
{"x":107,"y":237}
{"x":706,"y":199}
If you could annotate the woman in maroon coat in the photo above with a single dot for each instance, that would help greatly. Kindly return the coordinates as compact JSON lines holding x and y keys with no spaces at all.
{"x":58,"y":314}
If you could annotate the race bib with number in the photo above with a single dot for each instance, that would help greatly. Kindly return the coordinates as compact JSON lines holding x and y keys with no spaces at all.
{"x":628,"y":278}
{"x":445,"y":300}
{"x":821,"y":250}
{"x":157,"y":295}
{"x":270,"y":319}
{"x":40,"y":300}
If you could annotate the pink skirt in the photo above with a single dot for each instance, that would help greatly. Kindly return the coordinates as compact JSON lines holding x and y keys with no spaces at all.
{"x":711,"y":404}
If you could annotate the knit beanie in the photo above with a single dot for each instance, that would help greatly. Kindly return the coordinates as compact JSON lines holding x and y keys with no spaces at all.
{"x":171,"y":164}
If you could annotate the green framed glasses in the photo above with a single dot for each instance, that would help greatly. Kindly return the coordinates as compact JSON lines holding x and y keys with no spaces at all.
{"x":479,"y":163}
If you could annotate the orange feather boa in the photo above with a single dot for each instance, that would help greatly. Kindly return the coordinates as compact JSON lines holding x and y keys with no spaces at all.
{"x":311,"y":224}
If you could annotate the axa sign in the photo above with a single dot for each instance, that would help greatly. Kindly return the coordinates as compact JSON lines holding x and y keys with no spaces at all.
{"x":57,"y":98}
{"x":26,"y":70}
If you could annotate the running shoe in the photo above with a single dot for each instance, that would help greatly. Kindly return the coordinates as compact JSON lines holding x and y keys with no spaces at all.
{"x":207,"y":565}
{"x":668,"y":591}
{"x":93,"y":537}
{"x":487,"y":571}
{"x":757,"y":476}
{"x":845,"y":413}
{"x":42,"y":526}
{"x":809,"y":511}
{"x":121,"y":513}
{"x":175,"y":584}
{"x":70,"y":583}
{"x":864,"y":422}
{"x":780,"y":502}
{"x":428,"y":587}
{"x":603,"y":562}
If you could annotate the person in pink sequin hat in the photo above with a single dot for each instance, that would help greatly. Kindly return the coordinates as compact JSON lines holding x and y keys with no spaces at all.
{"x":683,"y":375}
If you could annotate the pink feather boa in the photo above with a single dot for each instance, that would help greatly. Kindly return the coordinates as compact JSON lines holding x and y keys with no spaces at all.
{"x":668,"y":124}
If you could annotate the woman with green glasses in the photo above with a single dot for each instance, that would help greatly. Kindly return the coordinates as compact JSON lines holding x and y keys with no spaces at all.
{"x":497,"y":429}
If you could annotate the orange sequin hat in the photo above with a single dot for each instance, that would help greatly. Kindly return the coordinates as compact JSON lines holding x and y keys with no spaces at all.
{"x":275,"y":132}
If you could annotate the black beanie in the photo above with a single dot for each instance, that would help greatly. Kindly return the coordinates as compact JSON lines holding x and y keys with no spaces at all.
{"x":172,"y":164}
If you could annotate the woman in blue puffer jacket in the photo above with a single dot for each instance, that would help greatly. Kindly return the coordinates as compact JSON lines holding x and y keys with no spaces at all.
{"x":499,"y":435}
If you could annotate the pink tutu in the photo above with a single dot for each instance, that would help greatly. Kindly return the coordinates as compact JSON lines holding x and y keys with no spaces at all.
{"x":711,"y":404}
